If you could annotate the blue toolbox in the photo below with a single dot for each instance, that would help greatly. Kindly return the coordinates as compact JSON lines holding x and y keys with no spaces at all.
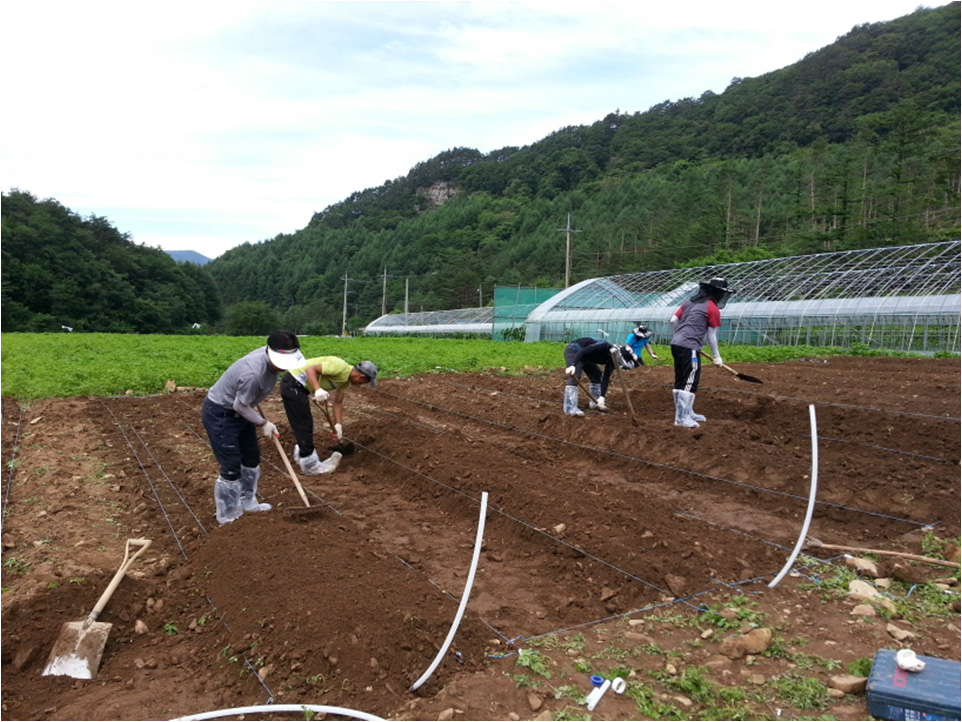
{"x":895,"y":694}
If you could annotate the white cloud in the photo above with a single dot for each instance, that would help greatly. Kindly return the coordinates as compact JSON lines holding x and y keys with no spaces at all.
{"x":204,"y":125}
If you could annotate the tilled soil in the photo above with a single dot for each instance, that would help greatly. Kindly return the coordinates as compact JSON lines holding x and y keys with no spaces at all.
{"x":592,"y":524}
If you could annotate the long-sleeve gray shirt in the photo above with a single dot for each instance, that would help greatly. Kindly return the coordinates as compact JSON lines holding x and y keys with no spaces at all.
{"x":245,"y":384}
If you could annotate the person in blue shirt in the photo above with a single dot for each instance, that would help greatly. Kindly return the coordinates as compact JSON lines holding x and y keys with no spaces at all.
{"x":639,"y":339}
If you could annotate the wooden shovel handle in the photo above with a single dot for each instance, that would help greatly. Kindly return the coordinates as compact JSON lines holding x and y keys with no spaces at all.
{"x":125,"y":565}
{"x":287,"y":463}
{"x":624,"y":386}
{"x":724,"y":366}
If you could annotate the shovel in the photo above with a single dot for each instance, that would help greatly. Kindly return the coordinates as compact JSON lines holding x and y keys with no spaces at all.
{"x":743,"y":377}
{"x":344,"y":447}
{"x":300,"y":511}
{"x":78,"y":649}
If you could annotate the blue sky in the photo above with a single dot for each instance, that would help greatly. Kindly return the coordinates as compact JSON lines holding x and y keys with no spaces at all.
{"x":204,"y":125}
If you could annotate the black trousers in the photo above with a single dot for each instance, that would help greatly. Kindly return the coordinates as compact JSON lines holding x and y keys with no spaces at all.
{"x":297,"y":404}
{"x":233,"y":439}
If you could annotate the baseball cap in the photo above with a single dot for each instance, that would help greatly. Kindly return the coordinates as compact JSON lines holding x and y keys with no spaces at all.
{"x":368,"y":369}
{"x":284,"y":351}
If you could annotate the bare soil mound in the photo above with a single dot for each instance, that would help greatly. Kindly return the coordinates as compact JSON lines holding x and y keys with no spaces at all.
{"x":607,"y":537}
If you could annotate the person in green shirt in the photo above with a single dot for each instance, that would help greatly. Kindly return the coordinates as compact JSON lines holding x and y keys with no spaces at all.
{"x":324,"y":378}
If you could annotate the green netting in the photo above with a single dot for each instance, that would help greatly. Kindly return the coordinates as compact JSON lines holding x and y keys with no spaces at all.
{"x":512,"y":304}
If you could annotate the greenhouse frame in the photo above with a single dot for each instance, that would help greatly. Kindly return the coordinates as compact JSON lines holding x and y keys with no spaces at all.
{"x":903,"y":298}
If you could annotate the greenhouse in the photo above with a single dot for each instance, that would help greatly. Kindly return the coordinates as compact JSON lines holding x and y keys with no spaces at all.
{"x":904,"y":298}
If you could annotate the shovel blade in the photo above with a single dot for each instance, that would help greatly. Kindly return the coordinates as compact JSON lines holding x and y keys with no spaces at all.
{"x":749,"y":379}
{"x":78,"y":650}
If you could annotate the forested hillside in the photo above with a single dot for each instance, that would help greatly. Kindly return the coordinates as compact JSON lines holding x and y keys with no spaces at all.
{"x":61,"y":270}
{"x":856,"y":145}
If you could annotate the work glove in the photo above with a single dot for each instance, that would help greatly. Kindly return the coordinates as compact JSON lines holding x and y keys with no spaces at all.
{"x":339,"y":430}
{"x":570,"y":371}
{"x":320,"y":396}
{"x":269,"y":429}
{"x":601,"y":403}
{"x":655,"y":356}
{"x":717,"y":360}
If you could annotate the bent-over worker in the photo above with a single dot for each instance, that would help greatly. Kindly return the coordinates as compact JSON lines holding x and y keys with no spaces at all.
{"x":230,"y":416}
{"x":322,"y":378}
{"x":640,"y":339}
{"x":589,"y":355}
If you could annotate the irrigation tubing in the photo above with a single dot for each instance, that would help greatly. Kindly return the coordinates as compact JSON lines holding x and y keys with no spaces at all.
{"x":302,"y":709}
{"x":464,"y":597}
{"x":11,"y":465}
{"x":813,"y":489}
{"x":654,"y":464}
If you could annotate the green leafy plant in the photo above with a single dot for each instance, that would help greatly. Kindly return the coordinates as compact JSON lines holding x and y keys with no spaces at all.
{"x":535,"y":661}
{"x":802,"y":692}
{"x":170,"y":628}
{"x":17,"y":565}
{"x":861,"y":667}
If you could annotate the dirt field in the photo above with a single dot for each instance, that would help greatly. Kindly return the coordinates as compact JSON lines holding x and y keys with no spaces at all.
{"x":610,"y":538}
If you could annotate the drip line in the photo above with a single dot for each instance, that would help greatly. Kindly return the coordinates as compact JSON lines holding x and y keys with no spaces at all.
{"x":12,"y":464}
{"x":653,"y":463}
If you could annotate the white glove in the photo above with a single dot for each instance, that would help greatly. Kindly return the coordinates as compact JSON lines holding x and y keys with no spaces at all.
{"x":320,"y":396}
{"x":717,"y":360}
{"x":339,"y":430}
{"x":601,"y":403}
{"x":570,"y":371}
{"x":655,"y":356}
{"x":268,"y":429}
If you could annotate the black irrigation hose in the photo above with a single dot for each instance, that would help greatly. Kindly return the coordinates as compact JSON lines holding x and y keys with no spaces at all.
{"x":653,"y":463}
{"x":149,"y":482}
{"x":519,"y":521}
{"x":11,"y":464}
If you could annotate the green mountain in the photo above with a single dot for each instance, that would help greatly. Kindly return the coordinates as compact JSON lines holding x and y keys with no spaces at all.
{"x":854,"y":146}
{"x":61,"y":271}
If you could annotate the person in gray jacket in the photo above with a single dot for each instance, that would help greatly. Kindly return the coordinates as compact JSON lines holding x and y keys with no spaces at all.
{"x":231,"y":418}
{"x":698,"y":318}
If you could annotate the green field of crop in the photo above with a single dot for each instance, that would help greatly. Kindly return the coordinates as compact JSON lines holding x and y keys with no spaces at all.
{"x":38,"y":366}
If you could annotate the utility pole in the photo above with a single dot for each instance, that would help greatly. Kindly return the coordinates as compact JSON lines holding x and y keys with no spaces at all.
{"x":568,"y":230}
{"x":480,"y":304}
{"x":344,"y":314}
{"x":384,"y":294}
{"x":406,"y":282}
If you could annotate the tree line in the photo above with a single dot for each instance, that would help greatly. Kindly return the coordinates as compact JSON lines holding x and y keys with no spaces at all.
{"x":64,"y":272}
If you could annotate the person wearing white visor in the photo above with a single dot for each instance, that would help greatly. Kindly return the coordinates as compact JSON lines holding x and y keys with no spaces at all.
{"x":232,"y":421}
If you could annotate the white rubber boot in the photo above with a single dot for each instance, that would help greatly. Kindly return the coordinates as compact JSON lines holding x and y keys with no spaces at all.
{"x":695,"y":417}
{"x":227,"y":500}
{"x":312,"y":465}
{"x":571,"y":402}
{"x":250,"y":475}
{"x":595,"y":390}
{"x":683,"y":401}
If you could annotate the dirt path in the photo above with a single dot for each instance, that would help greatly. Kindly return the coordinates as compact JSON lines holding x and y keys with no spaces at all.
{"x":610,"y":538}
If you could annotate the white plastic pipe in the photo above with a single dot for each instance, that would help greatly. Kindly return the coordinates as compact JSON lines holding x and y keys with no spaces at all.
{"x":464,"y":596}
{"x":596,"y":694}
{"x":811,"y":503}
{"x":271,"y":708}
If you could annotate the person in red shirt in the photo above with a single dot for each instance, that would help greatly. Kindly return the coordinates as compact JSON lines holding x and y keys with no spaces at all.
{"x":697,"y":318}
